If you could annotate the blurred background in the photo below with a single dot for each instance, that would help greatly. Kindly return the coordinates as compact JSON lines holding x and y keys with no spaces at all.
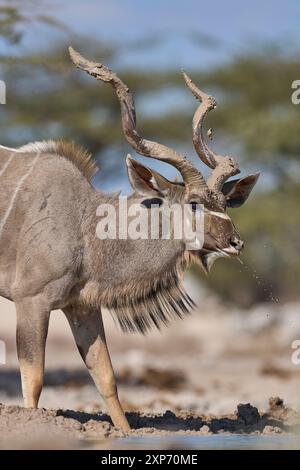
{"x":247,"y":56}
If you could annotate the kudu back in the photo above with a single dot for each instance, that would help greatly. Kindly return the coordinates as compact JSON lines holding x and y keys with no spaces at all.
{"x":51,"y":258}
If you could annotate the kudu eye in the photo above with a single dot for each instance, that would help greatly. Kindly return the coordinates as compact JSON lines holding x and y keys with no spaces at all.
{"x":195,"y":206}
{"x":155,"y":201}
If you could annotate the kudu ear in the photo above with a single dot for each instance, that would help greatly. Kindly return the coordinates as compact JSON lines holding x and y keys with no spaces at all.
{"x":237,"y":191}
{"x":146,"y":181}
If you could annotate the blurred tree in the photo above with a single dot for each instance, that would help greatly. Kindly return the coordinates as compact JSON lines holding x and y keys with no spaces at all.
{"x":16,"y":15}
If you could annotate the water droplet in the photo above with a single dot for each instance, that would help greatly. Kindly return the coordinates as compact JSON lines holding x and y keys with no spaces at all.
{"x":260,"y":282}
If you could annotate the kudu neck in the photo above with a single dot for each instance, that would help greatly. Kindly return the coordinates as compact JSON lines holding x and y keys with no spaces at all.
{"x":138,"y":280}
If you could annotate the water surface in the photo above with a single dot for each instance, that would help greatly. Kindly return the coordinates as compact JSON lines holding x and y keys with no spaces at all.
{"x":216,"y":441}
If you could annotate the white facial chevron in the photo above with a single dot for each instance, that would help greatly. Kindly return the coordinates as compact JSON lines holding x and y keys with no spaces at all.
{"x":222,"y":215}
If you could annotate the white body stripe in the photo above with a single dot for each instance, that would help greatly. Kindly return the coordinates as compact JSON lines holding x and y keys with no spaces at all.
{"x":8,"y":148}
{"x":18,"y":187}
{"x":6,"y":164}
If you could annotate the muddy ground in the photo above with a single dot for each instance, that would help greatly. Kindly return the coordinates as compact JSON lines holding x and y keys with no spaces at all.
{"x":24,"y":428}
{"x":188,"y":379}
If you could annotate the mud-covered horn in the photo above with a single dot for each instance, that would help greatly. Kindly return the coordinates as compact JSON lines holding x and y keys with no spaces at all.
{"x":223,"y":166}
{"x":190,"y":174}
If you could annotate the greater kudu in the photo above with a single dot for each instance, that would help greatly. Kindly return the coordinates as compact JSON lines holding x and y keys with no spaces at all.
{"x":52,"y":259}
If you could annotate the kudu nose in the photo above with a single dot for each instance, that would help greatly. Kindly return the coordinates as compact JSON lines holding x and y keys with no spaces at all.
{"x":236,"y":243}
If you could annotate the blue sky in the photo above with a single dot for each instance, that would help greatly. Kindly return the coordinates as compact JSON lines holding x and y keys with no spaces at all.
{"x":229,"y":27}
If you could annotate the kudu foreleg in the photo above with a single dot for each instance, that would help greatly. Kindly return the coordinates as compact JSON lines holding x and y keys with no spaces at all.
{"x":90,"y":338}
{"x":32,"y":329}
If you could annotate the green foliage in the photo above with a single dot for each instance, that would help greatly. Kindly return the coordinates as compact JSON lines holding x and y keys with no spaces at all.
{"x":258,"y":108}
{"x":9,"y":20}
{"x":15,"y":15}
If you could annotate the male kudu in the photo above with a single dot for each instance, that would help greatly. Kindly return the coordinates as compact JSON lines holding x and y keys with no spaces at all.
{"x":51,"y":258}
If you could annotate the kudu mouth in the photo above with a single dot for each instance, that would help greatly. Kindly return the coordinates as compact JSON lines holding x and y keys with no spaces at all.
{"x":208,"y":257}
{"x":235,"y":248}
{"x":231,"y":251}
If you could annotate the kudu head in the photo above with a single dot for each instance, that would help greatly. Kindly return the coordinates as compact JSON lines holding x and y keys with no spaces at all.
{"x":221,"y":238}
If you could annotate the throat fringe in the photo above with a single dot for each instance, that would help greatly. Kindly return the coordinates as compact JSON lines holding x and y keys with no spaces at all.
{"x":154,"y":308}
{"x":138,"y":308}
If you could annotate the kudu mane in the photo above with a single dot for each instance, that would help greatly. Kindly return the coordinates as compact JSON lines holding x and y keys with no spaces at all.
{"x":76,"y":154}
